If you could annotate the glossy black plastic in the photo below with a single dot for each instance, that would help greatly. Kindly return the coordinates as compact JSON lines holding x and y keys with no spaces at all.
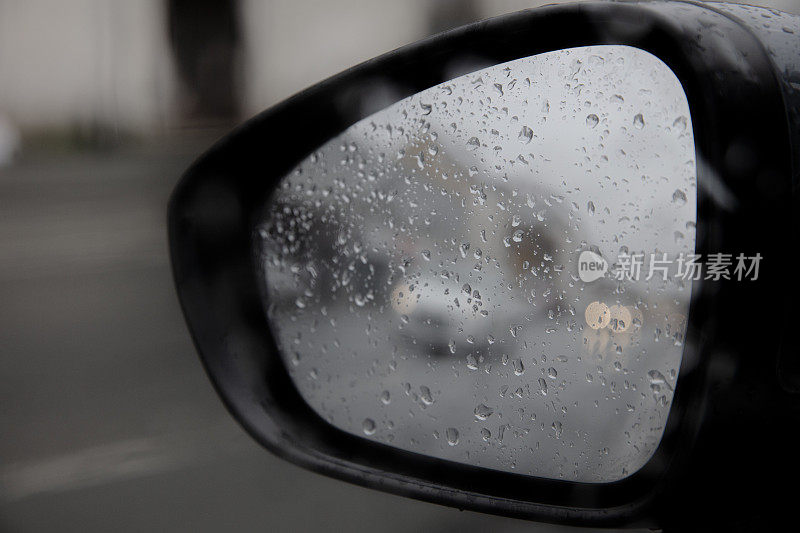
{"x":714,"y":458}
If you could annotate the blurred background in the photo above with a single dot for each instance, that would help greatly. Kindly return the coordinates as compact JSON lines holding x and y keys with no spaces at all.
{"x":107,"y":420}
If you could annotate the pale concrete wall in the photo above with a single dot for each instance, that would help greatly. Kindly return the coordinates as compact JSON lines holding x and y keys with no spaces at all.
{"x":84,"y":61}
{"x":109,"y":62}
{"x":291,"y":45}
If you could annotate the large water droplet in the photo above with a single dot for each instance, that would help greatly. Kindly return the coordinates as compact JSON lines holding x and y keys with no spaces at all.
{"x":525,"y":134}
{"x":425,"y":395}
{"x":368,"y":426}
{"x":657,"y":379}
{"x":638,"y":121}
{"x":543,"y":386}
{"x":452,"y":436}
{"x":483,"y":411}
{"x":592,"y":120}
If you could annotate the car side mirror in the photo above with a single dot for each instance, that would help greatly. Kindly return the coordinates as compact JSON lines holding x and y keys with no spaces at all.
{"x":533,"y":266}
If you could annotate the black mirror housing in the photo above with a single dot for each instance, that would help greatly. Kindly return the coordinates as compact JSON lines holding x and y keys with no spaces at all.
{"x":712,"y":454}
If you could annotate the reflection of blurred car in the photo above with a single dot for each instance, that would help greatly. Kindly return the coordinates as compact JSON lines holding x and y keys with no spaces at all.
{"x":471,"y":257}
{"x":441,"y":314}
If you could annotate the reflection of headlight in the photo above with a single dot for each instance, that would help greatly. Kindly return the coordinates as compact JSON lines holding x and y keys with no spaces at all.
{"x":617,"y":318}
{"x":597,"y":315}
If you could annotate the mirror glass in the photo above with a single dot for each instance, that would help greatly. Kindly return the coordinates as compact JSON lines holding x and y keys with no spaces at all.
{"x":442,"y":277}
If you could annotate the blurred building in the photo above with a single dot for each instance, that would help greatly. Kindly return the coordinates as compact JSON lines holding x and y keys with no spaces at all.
{"x":84,"y":64}
{"x":100,"y":67}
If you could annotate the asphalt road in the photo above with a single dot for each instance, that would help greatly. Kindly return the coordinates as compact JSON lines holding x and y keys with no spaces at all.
{"x":107,"y":420}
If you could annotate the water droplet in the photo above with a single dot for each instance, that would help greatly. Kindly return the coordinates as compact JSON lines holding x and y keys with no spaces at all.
{"x":452,"y":436}
{"x":657,"y":378}
{"x":592,"y":120}
{"x":368,"y":426}
{"x":486,"y":434}
{"x":526,"y":134}
{"x":519,"y":368}
{"x":386,"y":398}
{"x":425,"y":395}
{"x":473,"y":143}
{"x":483,"y":411}
{"x":679,"y":197}
{"x":596,"y":61}
{"x":638,"y":121}
{"x":551,"y":373}
{"x":590,"y":207}
{"x":517,"y":237}
{"x":557,"y":428}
